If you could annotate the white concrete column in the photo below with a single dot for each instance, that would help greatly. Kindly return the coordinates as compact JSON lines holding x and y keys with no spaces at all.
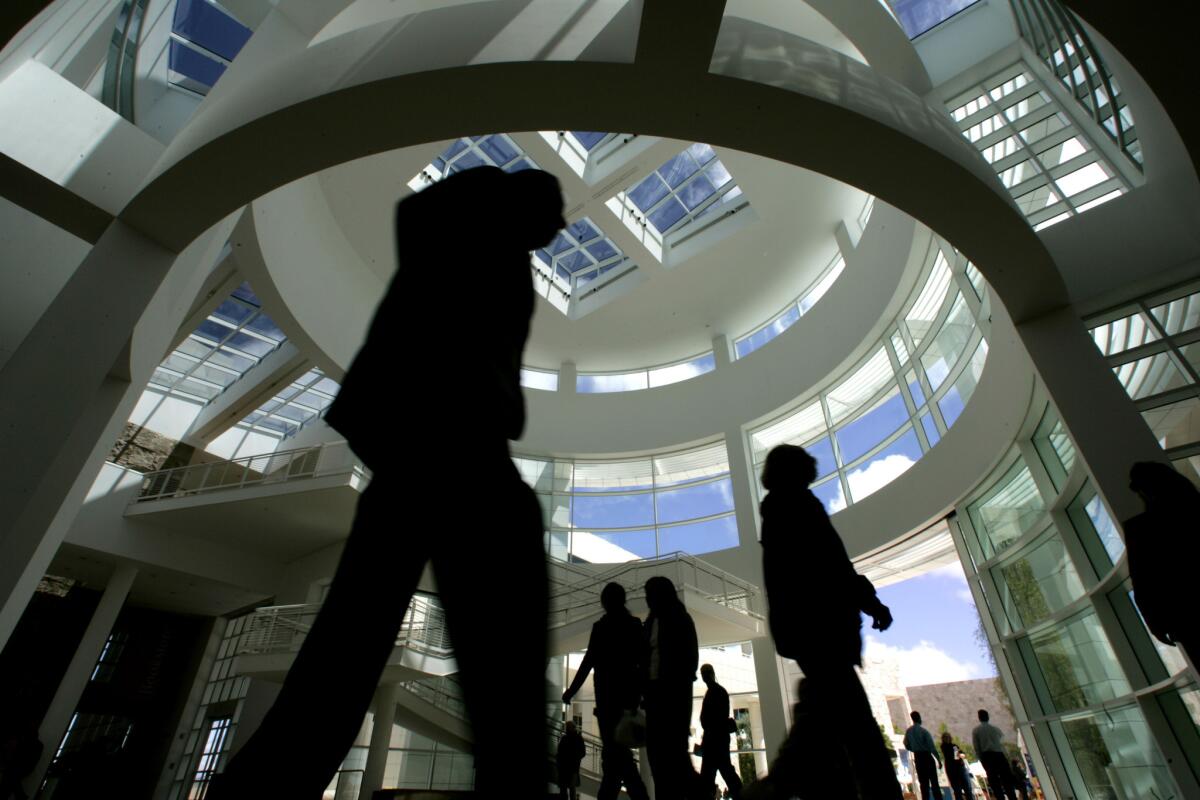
{"x":772,"y":700}
{"x":79,"y":672}
{"x":742,"y":479}
{"x":383,"y":710}
{"x":567,"y":373}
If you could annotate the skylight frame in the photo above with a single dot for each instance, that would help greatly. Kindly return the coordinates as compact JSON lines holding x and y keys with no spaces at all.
{"x":468,"y":152}
{"x":286,"y":412}
{"x":999,"y":116}
{"x":676,"y":195}
{"x":236,"y":315}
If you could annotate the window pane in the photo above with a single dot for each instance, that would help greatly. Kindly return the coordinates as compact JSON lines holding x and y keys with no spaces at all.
{"x":703,"y":500}
{"x":612,"y":548}
{"x":1077,"y":665}
{"x":699,"y":537}
{"x":1008,"y":511}
{"x":1149,"y":376}
{"x":830,"y":494}
{"x":1122,"y":334}
{"x":948,"y":345}
{"x":859,"y":436}
{"x":1038,"y":582}
{"x":1179,"y":315}
{"x":884,"y":467}
{"x":1096,"y":529}
{"x":1175,"y":423}
{"x":1116,"y":755}
{"x":612,"y":511}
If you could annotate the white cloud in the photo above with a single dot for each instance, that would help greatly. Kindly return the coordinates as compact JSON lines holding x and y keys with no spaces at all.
{"x":954,"y":572}
{"x":922,"y":664}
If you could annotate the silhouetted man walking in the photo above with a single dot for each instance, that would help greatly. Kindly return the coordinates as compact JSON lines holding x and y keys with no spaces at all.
{"x":986,"y":739}
{"x":616,"y":655}
{"x":814,"y":600}
{"x":918,"y":742}
{"x":417,"y":435}
{"x":717,"y":725}
{"x":571,"y":751}
{"x":672,"y":655}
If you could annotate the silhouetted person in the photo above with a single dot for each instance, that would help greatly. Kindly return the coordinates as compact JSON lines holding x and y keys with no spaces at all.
{"x":919,"y":742}
{"x":956,"y":768}
{"x":615,"y":655}
{"x":814,"y":601}
{"x":1020,"y":777}
{"x":717,"y":725}
{"x":20,"y":751}
{"x":1163,"y":550}
{"x":672,"y":655}
{"x":571,"y":751}
{"x":987,"y":741}
{"x":416,"y":434}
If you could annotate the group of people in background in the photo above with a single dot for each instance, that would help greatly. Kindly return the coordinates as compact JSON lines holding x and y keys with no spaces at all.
{"x":649,"y":668}
{"x":1006,"y":779}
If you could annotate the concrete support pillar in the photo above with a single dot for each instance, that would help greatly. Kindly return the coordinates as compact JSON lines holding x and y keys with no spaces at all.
{"x":745,"y":504}
{"x":1107,"y":430}
{"x":771,"y":696}
{"x":383,"y":709}
{"x":79,"y":672}
{"x":644,"y":771}
{"x":567,"y":373}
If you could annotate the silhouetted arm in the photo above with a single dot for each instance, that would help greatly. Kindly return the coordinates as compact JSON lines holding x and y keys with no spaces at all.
{"x":585,"y":669}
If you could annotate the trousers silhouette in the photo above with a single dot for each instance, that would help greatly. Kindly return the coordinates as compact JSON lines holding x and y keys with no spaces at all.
{"x":500,"y":560}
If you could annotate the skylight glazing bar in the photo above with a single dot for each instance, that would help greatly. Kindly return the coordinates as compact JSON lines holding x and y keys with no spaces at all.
{"x":682,"y":190}
{"x":299,"y":403}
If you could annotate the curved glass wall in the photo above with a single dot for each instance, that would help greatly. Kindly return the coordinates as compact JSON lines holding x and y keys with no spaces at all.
{"x":619,"y":510}
{"x":876,"y":422}
{"x":1101,"y":704}
{"x":599,"y":382}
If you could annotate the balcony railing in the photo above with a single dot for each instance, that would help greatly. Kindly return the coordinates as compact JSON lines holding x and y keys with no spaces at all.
{"x":281,"y":629}
{"x":326,"y":460}
{"x":574,"y":599}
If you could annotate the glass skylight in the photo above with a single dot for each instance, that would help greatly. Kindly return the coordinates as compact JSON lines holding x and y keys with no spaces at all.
{"x":231,"y":340}
{"x":205,"y":38}
{"x":920,"y":16}
{"x":300,"y":402}
{"x":1047,"y":164}
{"x":468,"y":152}
{"x":682,"y":190}
{"x":579,"y":254}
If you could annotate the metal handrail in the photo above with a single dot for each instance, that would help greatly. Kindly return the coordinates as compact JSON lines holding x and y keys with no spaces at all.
{"x":581,"y":598}
{"x":446,"y":695}
{"x":281,"y":466}
{"x":282,"y":629}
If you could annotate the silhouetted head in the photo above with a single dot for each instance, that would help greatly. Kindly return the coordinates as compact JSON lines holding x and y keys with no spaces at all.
{"x":1158,"y":484}
{"x":660,"y":593}
{"x":612,"y":598}
{"x":509,"y":213}
{"x":707,"y":673}
{"x":570,"y":726}
{"x":916,"y":717}
{"x":947,"y":738}
{"x":983,"y":715}
{"x":788,"y":466}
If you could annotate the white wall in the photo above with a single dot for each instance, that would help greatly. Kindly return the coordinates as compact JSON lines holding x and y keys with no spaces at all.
{"x":37,"y":258}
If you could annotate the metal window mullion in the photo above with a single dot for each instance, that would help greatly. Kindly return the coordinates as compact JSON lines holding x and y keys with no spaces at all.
{"x":1010,"y":125}
{"x":1063,"y":39}
{"x":1102,"y":73}
{"x":836,"y":449}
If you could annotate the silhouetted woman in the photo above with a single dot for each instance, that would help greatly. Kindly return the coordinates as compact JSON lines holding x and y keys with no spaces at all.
{"x":672,"y":654}
{"x":1163,"y":549}
{"x":814,"y":602}
{"x":444,"y":490}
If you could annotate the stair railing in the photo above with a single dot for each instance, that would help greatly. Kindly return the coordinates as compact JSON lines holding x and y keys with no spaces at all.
{"x":282,"y":466}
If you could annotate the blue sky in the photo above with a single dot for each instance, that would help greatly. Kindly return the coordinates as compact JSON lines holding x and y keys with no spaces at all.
{"x":933,"y":635}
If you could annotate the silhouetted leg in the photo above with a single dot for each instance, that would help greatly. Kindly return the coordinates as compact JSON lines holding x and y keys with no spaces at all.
{"x":668,"y":716}
{"x":843,"y":707}
{"x":491,"y":577}
{"x":708,"y":768}
{"x":617,"y":764}
{"x":730,"y":775}
{"x":308,"y":731}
